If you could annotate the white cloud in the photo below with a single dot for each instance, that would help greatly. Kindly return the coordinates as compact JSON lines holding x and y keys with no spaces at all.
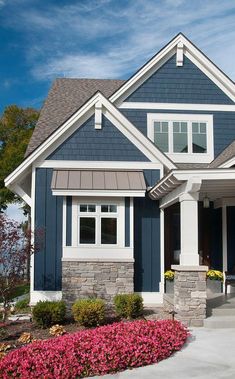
{"x":102,"y":39}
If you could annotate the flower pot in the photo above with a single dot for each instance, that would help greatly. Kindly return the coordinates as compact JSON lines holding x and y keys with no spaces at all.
{"x":214,"y":286}
{"x":169,"y":286}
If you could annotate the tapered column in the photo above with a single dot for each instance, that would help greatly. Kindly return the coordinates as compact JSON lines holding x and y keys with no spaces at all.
{"x":189,"y":229}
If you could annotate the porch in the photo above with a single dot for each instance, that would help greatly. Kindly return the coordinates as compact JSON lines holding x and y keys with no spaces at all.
{"x":199,"y":219}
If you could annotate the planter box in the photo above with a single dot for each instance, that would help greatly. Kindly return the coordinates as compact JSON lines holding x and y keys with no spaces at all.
{"x":169,"y":286}
{"x":214,"y":286}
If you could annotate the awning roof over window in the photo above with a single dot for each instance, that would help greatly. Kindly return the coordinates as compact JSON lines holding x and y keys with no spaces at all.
{"x":97,"y":181}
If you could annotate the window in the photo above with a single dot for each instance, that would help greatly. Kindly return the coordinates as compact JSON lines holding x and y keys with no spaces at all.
{"x":98,"y":224}
{"x":184,"y":137}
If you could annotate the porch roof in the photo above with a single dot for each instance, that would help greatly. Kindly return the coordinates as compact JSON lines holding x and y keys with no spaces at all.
{"x":97,"y":182}
{"x":215,"y":183}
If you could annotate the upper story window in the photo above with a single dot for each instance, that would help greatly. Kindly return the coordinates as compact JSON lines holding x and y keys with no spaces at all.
{"x":184,"y":138}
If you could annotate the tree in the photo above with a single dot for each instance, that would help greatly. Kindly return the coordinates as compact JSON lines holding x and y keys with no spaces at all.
{"x":15,"y":250}
{"x":16,"y":127}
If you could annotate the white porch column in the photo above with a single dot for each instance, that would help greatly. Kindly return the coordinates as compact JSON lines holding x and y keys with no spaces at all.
{"x":189,"y":229}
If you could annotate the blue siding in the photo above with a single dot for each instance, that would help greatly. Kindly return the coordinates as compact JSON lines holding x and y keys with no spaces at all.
{"x":224,"y":124}
{"x":186,"y":84}
{"x":147,"y":273}
{"x":127,"y":221}
{"x":107,"y":144}
{"x":48,"y":223}
{"x":231,"y":237}
{"x":216,"y":234}
{"x":68,"y":220}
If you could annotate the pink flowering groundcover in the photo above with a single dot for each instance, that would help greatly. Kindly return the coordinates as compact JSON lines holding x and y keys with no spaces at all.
{"x":99,"y":351}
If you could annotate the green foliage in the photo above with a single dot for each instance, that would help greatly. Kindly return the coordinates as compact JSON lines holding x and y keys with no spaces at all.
{"x":16,"y":127}
{"x":89,"y":312}
{"x":128,"y":305}
{"x":48,"y":313}
{"x":22,"y":305}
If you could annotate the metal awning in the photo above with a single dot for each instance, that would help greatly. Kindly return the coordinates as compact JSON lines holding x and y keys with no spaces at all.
{"x":98,"y":182}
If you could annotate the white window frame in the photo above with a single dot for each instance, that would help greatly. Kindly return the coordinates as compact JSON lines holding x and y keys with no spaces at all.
{"x":98,"y":215}
{"x":110,"y":253}
{"x":189,"y":157}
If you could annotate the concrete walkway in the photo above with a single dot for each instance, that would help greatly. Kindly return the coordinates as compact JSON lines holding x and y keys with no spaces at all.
{"x":209,"y":354}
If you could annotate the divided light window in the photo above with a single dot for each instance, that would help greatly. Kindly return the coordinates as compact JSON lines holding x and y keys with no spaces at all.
{"x":98,"y":224}
{"x":181,"y":136}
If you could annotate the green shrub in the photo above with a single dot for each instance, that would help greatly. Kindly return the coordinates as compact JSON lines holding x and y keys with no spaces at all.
{"x":22,"y":305}
{"x":89,"y":312}
{"x":128,"y":305}
{"x":48,"y":313}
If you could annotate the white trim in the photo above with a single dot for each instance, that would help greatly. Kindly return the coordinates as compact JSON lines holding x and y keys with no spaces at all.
{"x":98,"y":193}
{"x":193,"y":53}
{"x":74,"y":221}
{"x":98,"y":115}
{"x":36,"y":296}
{"x":94,"y":252}
{"x":20,"y":192}
{"x":189,"y":157}
{"x":64,"y":222}
{"x":98,"y":260}
{"x":33,"y":232}
{"x":180,"y":54}
{"x":99,"y":165}
{"x":120,"y":121}
{"x":152,"y":298}
{"x":224,"y":238}
{"x":178,"y":106}
{"x":228,"y":163}
{"x":131,"y":222}
{"x":162,"y":251}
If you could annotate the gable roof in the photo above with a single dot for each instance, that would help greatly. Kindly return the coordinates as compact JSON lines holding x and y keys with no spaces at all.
{"x":224,"y":156}
{"x":191,"y":52}
{"x":65,"y":97}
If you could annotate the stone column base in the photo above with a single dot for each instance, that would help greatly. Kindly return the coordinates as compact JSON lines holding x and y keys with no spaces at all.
{"x":190,"y":294}
{"x":87,"y":278}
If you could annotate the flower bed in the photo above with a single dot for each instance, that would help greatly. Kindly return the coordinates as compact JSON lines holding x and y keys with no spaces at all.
{"x":98,"y":351}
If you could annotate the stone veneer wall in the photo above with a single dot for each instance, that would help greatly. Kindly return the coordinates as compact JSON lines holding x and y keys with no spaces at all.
{"x":82,"y":279}
{"x":190,"y":295}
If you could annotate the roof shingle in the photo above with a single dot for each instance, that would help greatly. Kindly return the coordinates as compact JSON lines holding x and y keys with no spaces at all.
{"x":65,"y":97}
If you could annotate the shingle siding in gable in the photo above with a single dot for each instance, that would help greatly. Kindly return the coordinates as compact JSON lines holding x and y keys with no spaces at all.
{"x":224,"y":124}
{"x":107,"y":144}
{"x":182,"y":84}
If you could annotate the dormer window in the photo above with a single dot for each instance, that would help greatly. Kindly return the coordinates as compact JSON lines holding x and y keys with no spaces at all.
{"x":183,"y":137}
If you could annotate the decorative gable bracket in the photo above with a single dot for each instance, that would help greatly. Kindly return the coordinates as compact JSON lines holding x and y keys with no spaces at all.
{"x":98,"y":115}
{"x":180,"y":54}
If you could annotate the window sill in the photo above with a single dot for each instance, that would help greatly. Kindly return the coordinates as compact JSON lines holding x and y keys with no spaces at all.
{"x":191,"y":158}
{"x":71,"y":252}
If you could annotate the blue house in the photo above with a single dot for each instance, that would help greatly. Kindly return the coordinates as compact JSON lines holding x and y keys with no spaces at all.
{"x":130,"y":178}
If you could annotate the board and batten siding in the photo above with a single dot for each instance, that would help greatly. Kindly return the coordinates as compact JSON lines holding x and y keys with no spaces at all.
{"x":179,"y":84}
{"x":48,"y":232}
{"x":224,"y":124}
{"x":147,"y":266}
{"x":90,"y":144}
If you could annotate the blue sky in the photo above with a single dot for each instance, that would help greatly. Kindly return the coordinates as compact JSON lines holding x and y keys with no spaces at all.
{"x":42,"y":40}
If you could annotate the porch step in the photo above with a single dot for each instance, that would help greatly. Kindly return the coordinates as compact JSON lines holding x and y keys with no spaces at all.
{"x":217,"y":322}
{"x":223,"y":311}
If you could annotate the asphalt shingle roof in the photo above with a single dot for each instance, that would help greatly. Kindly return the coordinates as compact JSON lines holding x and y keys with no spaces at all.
{"x":65,"y":97}
{"x":227,"y":153}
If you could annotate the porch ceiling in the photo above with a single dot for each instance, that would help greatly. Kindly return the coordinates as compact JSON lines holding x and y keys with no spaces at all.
{"x":217,"y":189}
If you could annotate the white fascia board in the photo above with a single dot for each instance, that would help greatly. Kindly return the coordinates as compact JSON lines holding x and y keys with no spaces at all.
{"x":51,"y":139}
{"x":179,"y":106}
{"x":114,"y":165}
{"x":135,"y":136}
{"x":228,"y":163}
{"x":205,"y":174}
{"x":146,"y":68}
{"x":193,"y":53}
{"x":99,"y":193}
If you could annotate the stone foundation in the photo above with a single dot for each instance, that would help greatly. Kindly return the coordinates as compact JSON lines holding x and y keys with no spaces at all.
{"x":190,"y":294}
{"x":82,"y":279}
